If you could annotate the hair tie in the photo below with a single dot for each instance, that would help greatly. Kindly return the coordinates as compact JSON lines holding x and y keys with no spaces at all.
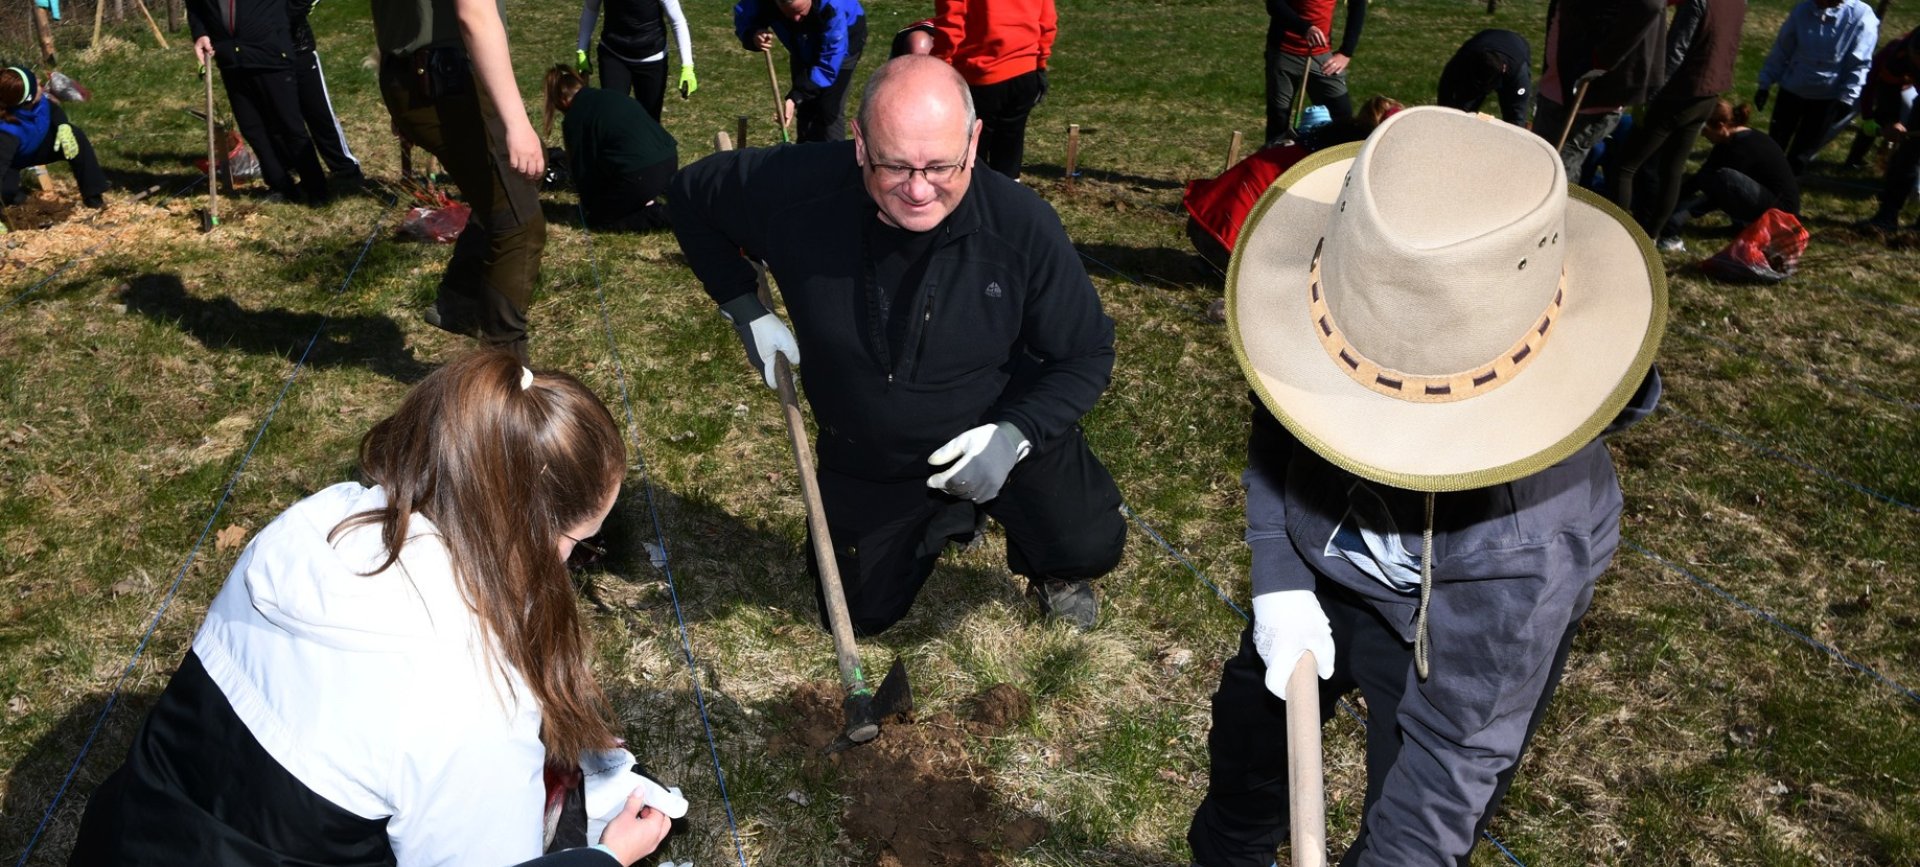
{"x":526,"y":378}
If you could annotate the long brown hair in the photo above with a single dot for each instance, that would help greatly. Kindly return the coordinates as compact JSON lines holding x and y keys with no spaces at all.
{"x":562,"y":84}
{"x":13,"y":89}
{"x":502,"y":471}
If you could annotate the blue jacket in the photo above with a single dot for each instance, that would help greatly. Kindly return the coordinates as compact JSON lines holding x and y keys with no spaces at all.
{"x":1514,"y":565}
{"x":1823,"y":53}
{"x":29,"y":126}
{"x":822,"y":41}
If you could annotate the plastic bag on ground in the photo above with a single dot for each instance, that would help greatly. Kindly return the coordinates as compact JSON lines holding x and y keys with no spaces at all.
{"x":435,"y":225}
{"x":1766,"y":251}
{"x":242,"y":165}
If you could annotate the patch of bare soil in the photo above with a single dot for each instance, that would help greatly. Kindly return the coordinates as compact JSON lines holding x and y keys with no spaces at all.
{"x":913,"y":796}
{"x":40,"y":211}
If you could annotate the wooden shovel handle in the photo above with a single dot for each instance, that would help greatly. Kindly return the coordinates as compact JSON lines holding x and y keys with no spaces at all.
{"x":1306,"y":785}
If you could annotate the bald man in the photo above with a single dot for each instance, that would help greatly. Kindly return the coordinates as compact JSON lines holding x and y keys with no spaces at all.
{"x":951,"y":337}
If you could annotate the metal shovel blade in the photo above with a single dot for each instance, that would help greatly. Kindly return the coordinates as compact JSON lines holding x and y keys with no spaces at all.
{"x":866,"y":709}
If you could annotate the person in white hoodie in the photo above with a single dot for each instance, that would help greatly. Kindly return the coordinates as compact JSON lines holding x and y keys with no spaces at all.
{"x":391,"y":667}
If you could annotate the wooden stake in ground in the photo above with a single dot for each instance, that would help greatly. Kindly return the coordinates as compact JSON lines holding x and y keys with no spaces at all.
{"x":740,"y":137}
{"x":1233,"y":150}
{"x":214,"y":162}
{"x":1306,"y":782}
{"x":43,"y":25}
{"x":99,"y":14}
{"x":721,"y":142}
{"x":44,"y":178}
{"x":157,"y":35}
{"x":1073,"y":152}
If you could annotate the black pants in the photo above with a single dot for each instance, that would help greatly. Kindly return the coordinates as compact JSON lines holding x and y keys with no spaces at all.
{"x":316,"y":108}
{"x":1802,"y":126}
{"x":489,"y":281}
{"x":1663,"y":138}
{"x":1244,"y":817}
{"x":648,"y":80}
{"x":1730,"y":190}
{"x":86,"y":166}
{"x":1283,"y":84}
{"x":1059,"y":508}
{"x":630,"y":204}
{"x":1003,"y":108}
{"x":1903,"y":169}
{"x":266,"y":108}
{"x":824,"y":117}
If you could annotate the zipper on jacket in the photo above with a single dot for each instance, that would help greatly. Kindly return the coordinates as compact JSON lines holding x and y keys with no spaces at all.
{"x":926,"y":322}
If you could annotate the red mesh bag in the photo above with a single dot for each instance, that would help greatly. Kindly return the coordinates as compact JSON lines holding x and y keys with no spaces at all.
{"x":1766,"y":251}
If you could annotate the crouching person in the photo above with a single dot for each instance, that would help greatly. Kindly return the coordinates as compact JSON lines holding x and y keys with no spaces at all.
{"x":391,"y":667}
{"x":34,"y":131}
{"x":1428,"y":500}
{"x":619,"y":155}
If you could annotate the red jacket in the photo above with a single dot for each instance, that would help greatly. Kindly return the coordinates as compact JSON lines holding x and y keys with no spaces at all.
{"x":990,"y":41}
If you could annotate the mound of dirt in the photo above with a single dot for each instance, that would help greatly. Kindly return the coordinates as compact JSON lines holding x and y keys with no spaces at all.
{"x":913,"y":796}
{"x":39,"y":211}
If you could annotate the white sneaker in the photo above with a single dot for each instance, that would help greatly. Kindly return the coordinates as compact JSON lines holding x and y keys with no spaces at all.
{"x":1671,"y":244}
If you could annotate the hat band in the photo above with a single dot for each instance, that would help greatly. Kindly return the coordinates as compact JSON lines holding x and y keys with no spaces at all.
{"x":1420,"y":388}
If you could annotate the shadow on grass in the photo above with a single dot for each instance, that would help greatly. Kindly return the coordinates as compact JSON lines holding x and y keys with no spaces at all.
{"x":32,"y":782}
{"x":372,"y":342}
{"x":1056,"y":174}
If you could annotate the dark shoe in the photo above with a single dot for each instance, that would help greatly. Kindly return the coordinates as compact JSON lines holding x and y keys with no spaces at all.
{"x":432,"y":316}
{"x":94,"y":202}
{"x":1069,"y":602}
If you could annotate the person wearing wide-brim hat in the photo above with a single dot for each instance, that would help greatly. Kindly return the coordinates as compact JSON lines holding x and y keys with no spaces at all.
{"x":1437,"y":332}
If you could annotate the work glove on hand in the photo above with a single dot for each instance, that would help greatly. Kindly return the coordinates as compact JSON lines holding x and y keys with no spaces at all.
{"x":1760,"y":98}
{"x":1287,"y":623}
{"x":667,"y":800}
{"x":762,"y":333}
{"x":981,"y":458}
{"x":688,"y":83}
{"x":64,"y":143}
{"x":580,"y":62}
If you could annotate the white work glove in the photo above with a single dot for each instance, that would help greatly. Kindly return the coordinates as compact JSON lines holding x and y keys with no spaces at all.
{"x":762,"y":333}
{"x":666,"y":800}
{"x":1287,"y":623}
{"x":981,"y":458}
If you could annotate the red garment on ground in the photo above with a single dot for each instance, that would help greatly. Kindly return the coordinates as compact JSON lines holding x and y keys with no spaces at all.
{"x":990,"y":41}
{"x":1221,"y":204}
{"x":1318,"y":13}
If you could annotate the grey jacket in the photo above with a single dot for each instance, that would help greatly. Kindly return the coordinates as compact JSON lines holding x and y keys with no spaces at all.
{"x":1514,"y":566}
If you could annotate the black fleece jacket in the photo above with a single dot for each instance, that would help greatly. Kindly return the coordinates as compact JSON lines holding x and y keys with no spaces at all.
{"x":246,"y":34}
{"x":1005,"y":326}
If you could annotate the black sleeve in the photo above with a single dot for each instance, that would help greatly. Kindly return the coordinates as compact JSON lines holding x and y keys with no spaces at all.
{"x":1282,"y":14}
{"x":587,"y":857}
{"x":1065,"y":328}
{"x":1356,"y":19}
{"x":716,"y":217}
{"x":8,"y":147}
{"x":1516,"y":90}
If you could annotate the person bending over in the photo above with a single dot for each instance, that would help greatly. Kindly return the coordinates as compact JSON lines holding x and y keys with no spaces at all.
{"x":1745,"y":174}
{"x":621,"y":157}
{"x":392,"y":665}
{"x":952,"y":342}
{"x":824,"y":39}
{"x":1497,"y":62}
{"x":1426,"y":514}
{"x":34,"y":131}
{"x":1820,"y":60}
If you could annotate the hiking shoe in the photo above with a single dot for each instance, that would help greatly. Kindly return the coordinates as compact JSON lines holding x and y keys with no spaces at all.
{"x":1671,"y":244}
{"x":94,"y":202}
{"x":1069,"y":602}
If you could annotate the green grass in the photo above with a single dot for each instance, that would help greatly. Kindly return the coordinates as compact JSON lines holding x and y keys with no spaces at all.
{"x":1686,"y":731}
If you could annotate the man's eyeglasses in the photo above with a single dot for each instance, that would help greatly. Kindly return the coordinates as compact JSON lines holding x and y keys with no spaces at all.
{"x":940,"y":174}
{"x":586,"y":552}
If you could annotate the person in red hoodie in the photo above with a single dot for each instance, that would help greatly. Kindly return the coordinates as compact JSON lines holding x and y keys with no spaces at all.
{"x":1001,"y":48}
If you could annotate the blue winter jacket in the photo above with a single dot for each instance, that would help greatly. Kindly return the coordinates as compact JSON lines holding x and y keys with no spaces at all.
{"x":30,"y":126}
{"x":821,"y":40}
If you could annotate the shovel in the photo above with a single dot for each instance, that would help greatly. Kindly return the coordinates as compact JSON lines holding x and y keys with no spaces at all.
{"x":779,"y":103}
{"x":1306,"y":782}
{"x":864,"y":708}
{"x":214,"y":162}
{"x":1580,"y":86}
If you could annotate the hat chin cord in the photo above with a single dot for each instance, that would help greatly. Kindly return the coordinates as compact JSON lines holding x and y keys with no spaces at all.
{"x":1420,"y":641}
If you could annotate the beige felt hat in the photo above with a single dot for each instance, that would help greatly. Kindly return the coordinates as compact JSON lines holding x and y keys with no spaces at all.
{"x":1435,"y":309}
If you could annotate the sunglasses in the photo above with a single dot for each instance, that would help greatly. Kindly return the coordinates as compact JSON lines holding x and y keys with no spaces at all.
{"x":586,"y":552}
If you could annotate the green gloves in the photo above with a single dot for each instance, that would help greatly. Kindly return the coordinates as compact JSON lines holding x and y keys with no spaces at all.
{"x":580,"y":62}
{"x":63,"y":142}
{"x":688,"y":83}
